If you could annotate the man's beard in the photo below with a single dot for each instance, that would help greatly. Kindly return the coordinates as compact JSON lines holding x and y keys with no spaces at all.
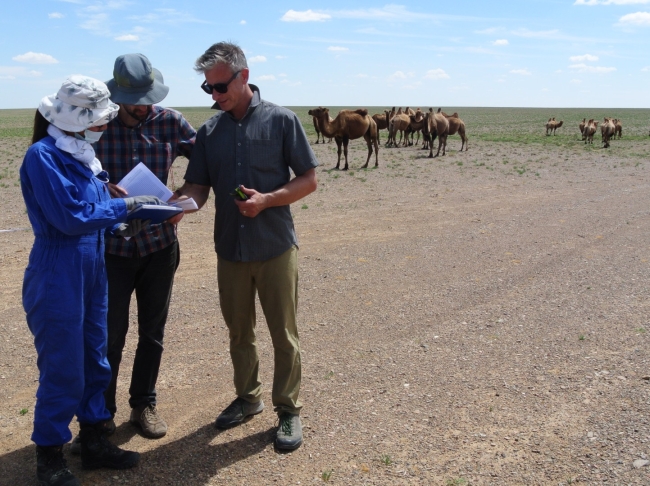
{"x":139,"y":116}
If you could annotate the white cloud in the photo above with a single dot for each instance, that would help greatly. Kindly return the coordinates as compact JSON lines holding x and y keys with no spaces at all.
{"x":638,"y":18}
{"x":242,"y":22}
{"x":584,"y":68}
{"x":55,"y":15}
{"x":500,"y":42}
{"x":540,"y":34}
{"x":13,"y":72}
{"x":645,"y":69}
{"x":306,"y":16}
{"x":360,"y":75}
{"x":436,"y":74}
{"x":255,"y":59}
{"x":591,"y":3}
{"x":490,"y":31}
{"x":522,"y":72}
{"x":161,"y":15}
{"x":583,"y":58}
{"x":397,"y":75}
{"x":337,"y":49}
{"x":576,"y":81}
{"x":35,"y":58}
{"x":266,"y":77}
{"x":280,"y":57}
{"x":127,"y":38}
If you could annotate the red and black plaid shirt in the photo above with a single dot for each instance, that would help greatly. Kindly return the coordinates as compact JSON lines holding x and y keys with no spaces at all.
{"x":157,"y":141}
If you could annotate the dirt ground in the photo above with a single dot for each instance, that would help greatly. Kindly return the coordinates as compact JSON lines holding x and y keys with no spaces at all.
{"x":479,"y":318}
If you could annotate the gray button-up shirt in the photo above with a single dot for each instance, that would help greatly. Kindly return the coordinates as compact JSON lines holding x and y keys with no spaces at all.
{"x":256,"y":151}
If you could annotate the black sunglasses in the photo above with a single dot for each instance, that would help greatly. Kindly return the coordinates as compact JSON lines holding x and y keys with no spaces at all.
{"x":218,"y":87}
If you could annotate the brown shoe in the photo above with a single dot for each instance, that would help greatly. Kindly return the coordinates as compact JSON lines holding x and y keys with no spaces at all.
{"x":147,"y":418}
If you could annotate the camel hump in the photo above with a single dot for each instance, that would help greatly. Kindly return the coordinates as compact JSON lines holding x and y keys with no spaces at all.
{"x":361,"y":111}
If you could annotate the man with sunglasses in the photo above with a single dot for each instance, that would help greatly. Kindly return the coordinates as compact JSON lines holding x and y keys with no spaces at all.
{"x":246,"y":154}
{"x":146,"y":263}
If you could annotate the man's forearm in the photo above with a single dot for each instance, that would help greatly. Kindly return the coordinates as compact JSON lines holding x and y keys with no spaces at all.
{"x":196,"y":191}
{"x":294,"y":190}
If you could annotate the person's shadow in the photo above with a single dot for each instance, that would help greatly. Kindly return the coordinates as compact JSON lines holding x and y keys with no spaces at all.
{"x":190,"y":460}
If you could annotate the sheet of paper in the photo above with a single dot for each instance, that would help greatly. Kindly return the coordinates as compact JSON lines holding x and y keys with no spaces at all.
{"x":142,"y":182}
{"x":185,"y":205}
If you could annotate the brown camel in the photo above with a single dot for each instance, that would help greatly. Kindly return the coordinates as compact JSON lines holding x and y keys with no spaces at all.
{"x":349,"y":125}
{"x":398,"y":123}
{"x":439,"y":124}
{"x":416,"y":123}
{"x":582,"y":128}
{"x":589,"y":131}
{"x":618,"y":128}
{"x":553,"y":125}
{"x":456,"y":125}
{"x":382,"y":122}
{"x":607,"y":130}
{"x":317,"y":128}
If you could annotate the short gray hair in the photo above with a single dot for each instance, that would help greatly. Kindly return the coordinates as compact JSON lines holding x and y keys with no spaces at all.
{"x":222,"y":53}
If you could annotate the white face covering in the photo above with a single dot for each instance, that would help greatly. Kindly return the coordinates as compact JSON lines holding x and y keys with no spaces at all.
{"x":89,"y":136}
{"x":78,"y":148}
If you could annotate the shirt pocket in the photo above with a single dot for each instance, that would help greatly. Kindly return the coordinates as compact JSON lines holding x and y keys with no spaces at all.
{"x":266,"y":155}
{"x":157,"y":156}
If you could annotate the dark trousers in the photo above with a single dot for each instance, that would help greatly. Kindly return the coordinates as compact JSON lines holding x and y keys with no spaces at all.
{"x":152,"y":278}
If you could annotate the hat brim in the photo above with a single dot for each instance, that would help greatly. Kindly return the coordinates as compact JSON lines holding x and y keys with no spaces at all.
{"x":138,"y":96}
{"x":70,"y":118}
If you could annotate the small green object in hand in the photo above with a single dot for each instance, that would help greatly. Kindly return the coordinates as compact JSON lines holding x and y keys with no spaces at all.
{"x":239,"y":194}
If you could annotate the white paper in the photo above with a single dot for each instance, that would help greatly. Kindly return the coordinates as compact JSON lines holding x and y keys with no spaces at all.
{"x":185,"y":204}
{"x":142,"y":182}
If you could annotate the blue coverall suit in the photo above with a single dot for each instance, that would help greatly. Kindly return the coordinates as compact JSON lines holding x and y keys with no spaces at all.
{"x":65,"y":292}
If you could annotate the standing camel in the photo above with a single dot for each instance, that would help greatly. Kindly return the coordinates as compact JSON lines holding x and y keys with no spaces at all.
{"x":439,"y":124}
{"x":618,"y":128}
{"x":349,"y":125}
{"x":607,"y":130}
{"x":456,"y":125}
{"x":589,"y":131}
{"x":317,"y":128}
{"x":553,"y":125}
{"x":582,"y":128}
{"x":382,"y":122}
{"x":398,"y":123}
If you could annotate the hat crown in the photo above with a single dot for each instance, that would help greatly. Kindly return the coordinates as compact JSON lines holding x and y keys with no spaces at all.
{"x":133,"y":71}
{"x":84,"y":92}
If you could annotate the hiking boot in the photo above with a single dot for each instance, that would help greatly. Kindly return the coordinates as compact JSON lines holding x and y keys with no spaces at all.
{"x":147,"y":418}
{"x":97,"y":451}
{"x":109,"y":428}
{"x":51,"y":468}
{"x":237,"y":411}
{"x":289,"y":435}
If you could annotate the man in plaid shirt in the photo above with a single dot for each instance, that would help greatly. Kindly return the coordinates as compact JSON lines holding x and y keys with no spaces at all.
{"x":146,"y":263}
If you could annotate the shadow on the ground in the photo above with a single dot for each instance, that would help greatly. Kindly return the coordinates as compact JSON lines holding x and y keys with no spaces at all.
{"x":190,"y":460}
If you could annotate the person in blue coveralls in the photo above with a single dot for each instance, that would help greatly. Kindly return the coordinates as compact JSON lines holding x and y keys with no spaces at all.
{"x":65,"y":289}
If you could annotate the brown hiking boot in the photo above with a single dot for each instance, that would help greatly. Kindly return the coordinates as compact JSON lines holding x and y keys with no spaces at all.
{"x":147,"y":418}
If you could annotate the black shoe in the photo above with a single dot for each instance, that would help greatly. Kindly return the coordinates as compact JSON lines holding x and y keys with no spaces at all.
{"x":237,"y":411}
{"x":289,"y":435}
{"x":97,"y":451}
{"x":51,"y":468}
{"x":107,"y":425}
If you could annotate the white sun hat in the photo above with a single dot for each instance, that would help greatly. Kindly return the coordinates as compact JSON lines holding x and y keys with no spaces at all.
{"x":81,"y":103}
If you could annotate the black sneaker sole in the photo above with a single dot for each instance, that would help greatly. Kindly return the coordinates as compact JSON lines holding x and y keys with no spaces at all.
{"x":287,"y":446}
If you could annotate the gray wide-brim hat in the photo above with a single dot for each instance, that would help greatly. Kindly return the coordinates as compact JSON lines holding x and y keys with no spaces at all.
{"x":136,"y":82}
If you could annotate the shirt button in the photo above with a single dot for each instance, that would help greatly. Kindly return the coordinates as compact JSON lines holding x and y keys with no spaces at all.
{"x":242,"y":225}
{"x":238,"y":163}
{"x":239,"y":144}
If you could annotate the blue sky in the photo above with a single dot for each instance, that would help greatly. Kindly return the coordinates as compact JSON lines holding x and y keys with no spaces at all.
{"x":546,"y":53}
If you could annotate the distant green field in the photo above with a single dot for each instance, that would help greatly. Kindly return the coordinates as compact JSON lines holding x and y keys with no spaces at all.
{"x":517,"y":125}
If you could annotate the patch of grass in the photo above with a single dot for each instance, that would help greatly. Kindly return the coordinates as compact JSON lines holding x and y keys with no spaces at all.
{"x":581,"y":337}
{"x":456,"y":481}
{"x":641,"y":330}
{"x":386,"y":460}
{"x":304,"y":206}
{"x":23,"y":411}
{"x":329,"y":374}
{"x":326,"y":475}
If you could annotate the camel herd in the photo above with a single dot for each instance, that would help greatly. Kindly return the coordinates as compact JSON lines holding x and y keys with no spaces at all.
{"x":608,"y":130}
{"x":352,"y":124}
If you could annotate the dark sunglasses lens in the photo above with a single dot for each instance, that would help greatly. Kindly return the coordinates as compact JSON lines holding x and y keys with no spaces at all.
{"x":219,"y":88}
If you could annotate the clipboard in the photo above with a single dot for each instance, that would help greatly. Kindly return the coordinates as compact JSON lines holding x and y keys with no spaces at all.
{"x":156,"y":213}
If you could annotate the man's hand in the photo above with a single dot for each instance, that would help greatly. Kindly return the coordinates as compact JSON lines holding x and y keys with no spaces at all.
{"x":254,"y":205}
{"x":132,"y":228}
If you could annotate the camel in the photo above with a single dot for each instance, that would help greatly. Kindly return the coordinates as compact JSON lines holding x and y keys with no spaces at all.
{"x":318,"y":133}
{"x":589,"y":131}
{"x":398,"y":123}
{"x":607,"y":130}
{"x":553,"y":125}
{"x":582,"y":128}
{"x":417,"y":123}
{"x":382,"y":122}
{"x":456,"y":125}
{"x":439,"y":124}
{"x":349,"y":125}
{"x":618,"y":127}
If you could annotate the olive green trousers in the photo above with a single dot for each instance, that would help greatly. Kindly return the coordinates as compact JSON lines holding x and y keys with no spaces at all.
{"x":276,"y":283}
